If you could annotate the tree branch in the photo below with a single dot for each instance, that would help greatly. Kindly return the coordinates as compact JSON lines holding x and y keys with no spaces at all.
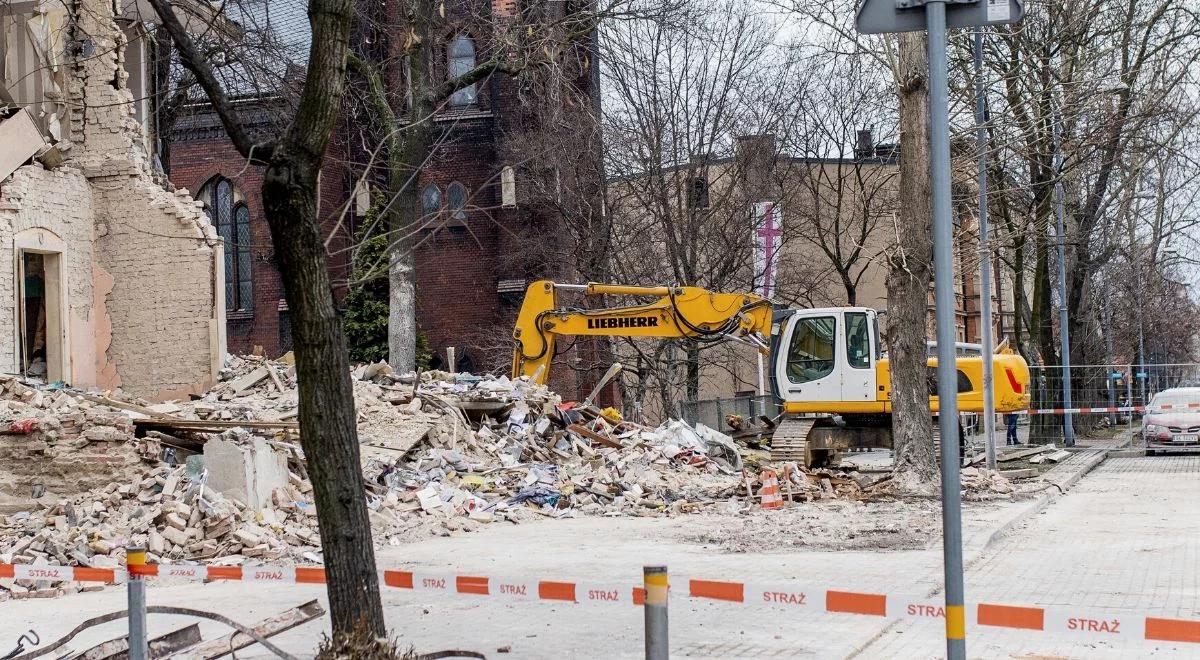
{"x":194,"y":61}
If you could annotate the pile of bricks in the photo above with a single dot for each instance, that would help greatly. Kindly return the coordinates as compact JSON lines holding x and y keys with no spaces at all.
{"x":52,"y":441}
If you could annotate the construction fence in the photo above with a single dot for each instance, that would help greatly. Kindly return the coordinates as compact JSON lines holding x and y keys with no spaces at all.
{"x":712,"y":412}
{"x":1097,"y":399}
{"x":1104,"y":399}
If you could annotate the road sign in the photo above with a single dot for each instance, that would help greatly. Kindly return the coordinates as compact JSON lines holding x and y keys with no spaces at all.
{"x":879,"y":16}
{"x":1117,"y":374}
{"x":1141,"y":374}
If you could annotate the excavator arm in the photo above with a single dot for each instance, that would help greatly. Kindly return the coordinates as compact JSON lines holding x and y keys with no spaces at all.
{"x":679,"y":311}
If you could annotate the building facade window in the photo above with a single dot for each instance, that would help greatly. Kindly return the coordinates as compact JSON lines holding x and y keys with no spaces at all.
{"x":698,"y":193}
{"x":456,"y":201}
{"x":431,"y":200}
{"x":230,"y":215}
{"x":460,"y":59}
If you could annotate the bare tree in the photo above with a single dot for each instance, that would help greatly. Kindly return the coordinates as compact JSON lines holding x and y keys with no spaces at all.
{"x":690,"y":121}
{"x":410,"y":71}
{"x":843,"y":195}
{"x":292,"y":161}
{"x":1111,"y":83}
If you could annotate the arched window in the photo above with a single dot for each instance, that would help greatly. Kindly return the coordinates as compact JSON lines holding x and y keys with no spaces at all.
{"x":229,"y":213}
{"x":460,"y":59}
{"x":431,"y":200}
{"x":456,"y":201}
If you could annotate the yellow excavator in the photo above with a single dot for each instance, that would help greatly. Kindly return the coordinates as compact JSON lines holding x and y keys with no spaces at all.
{"x":826,"y":367}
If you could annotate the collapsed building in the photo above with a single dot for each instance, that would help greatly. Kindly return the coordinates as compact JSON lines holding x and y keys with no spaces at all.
{"x":112,"y":277}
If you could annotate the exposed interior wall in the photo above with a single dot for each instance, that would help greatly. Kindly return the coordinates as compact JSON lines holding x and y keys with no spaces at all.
{"x":49,"y":211}
{"x":155,"y":245}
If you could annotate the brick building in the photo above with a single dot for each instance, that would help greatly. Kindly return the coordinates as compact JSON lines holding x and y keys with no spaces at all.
{"x":203,"y":160}
{"x":477,"y":195}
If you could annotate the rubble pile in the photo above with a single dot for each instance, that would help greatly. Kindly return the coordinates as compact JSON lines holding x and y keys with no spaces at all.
{"x":442,"y":453}
{"x":58,"y":442}
{"x":171,"y":515}
{"x":982,"y":484}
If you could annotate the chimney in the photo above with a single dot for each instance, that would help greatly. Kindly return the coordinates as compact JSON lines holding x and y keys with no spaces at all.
{"x":864,"y":147}
{"x":755,"y":158}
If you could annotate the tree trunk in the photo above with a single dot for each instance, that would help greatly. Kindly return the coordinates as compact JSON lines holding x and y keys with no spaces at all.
{"x":327,"y":417}
{"x":330,"y":437}
{"x":326,"y":398}
{"x":909,"y":267}
{"x":693,"y":370}
{"x":1047,"y":386}
{"x":402,"y":221}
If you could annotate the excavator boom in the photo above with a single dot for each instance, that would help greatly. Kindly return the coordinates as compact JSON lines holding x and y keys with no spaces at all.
{"x":682,"y":311}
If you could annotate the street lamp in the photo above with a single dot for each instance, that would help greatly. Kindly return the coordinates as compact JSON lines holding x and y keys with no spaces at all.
{"x":1064,"y":333}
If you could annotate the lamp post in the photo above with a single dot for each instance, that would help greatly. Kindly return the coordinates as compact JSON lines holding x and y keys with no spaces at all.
{"x":1064,"y":332}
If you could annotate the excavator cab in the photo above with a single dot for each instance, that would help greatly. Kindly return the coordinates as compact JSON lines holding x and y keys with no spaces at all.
{"x":825,"y":360}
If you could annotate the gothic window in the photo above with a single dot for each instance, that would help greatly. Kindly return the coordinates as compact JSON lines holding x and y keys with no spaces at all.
{"x":460,"y":59}
{"x":431,"y":200}
{"x":456,"y":201}
{"x":229,"y":213}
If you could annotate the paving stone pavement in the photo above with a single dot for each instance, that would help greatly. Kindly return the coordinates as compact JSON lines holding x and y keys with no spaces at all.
{"x":1125,"y":539}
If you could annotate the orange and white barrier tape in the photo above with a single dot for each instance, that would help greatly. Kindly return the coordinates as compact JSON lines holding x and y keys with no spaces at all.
{"x":781,"y":597}
{"x":1079,"y":411}
{"x":61,"y":573}
{"x":1110,"y":409}
{"x":771,"y":499}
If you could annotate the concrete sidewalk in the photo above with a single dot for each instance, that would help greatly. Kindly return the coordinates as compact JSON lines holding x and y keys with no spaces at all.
{"x":1125,"y":540}
{"x":593,"y":548}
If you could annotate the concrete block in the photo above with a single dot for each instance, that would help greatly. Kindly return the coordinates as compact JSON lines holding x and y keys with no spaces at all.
{"x":246,"y":472}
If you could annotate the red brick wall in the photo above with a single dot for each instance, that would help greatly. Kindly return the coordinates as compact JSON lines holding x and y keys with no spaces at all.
{"x":195,"y":162}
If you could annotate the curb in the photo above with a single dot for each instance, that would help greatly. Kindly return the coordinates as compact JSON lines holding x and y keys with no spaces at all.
{"x":970,"y":557}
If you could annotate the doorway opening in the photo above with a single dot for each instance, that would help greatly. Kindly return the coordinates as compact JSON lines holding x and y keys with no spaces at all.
{"x":40,"y":315}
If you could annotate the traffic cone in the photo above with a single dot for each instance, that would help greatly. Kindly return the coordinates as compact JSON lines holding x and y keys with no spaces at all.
{"x":771,"y":498}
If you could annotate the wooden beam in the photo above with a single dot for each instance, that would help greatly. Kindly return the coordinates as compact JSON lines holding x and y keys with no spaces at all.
{"x":160,"y":647}
{"x":235,"y":641}
{"x":594,"y":437}
{"x":212,"y":425}
{"x":1022,"y":453}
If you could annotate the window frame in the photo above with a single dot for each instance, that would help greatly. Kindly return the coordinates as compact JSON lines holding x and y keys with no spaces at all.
{"x":832,"y":360}
{"x":437,"y":206}
{"x":866,"y":357}
{"x":224,"y":203}
{"x":457,"y":213}
{"x":699,"y":192}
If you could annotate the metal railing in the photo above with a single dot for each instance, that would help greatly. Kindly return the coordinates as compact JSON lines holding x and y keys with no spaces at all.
{"x":712,"y":412}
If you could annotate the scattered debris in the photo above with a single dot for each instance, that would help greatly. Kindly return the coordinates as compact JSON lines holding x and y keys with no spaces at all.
{"x":222,"y":478}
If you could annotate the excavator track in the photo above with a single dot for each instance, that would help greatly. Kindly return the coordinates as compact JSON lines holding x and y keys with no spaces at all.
{"x":790,"y":440}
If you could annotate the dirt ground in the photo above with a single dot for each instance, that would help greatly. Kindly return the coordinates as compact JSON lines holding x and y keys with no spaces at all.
{"x":827,"y":525}
{"x":886,"y":546}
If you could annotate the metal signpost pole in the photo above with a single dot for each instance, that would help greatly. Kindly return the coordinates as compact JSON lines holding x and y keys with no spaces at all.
{"x":135,"y":559}
{"x":1064,"y":333}
{"x":985,"y":263}
{"x":943,"y":295}
{"x":885,"y":16}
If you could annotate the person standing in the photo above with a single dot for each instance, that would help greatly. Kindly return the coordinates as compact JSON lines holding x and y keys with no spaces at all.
{"x":1010,"y":421}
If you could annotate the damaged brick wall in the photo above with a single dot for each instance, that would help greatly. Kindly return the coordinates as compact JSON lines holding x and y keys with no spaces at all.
{"x":140,"y":260}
